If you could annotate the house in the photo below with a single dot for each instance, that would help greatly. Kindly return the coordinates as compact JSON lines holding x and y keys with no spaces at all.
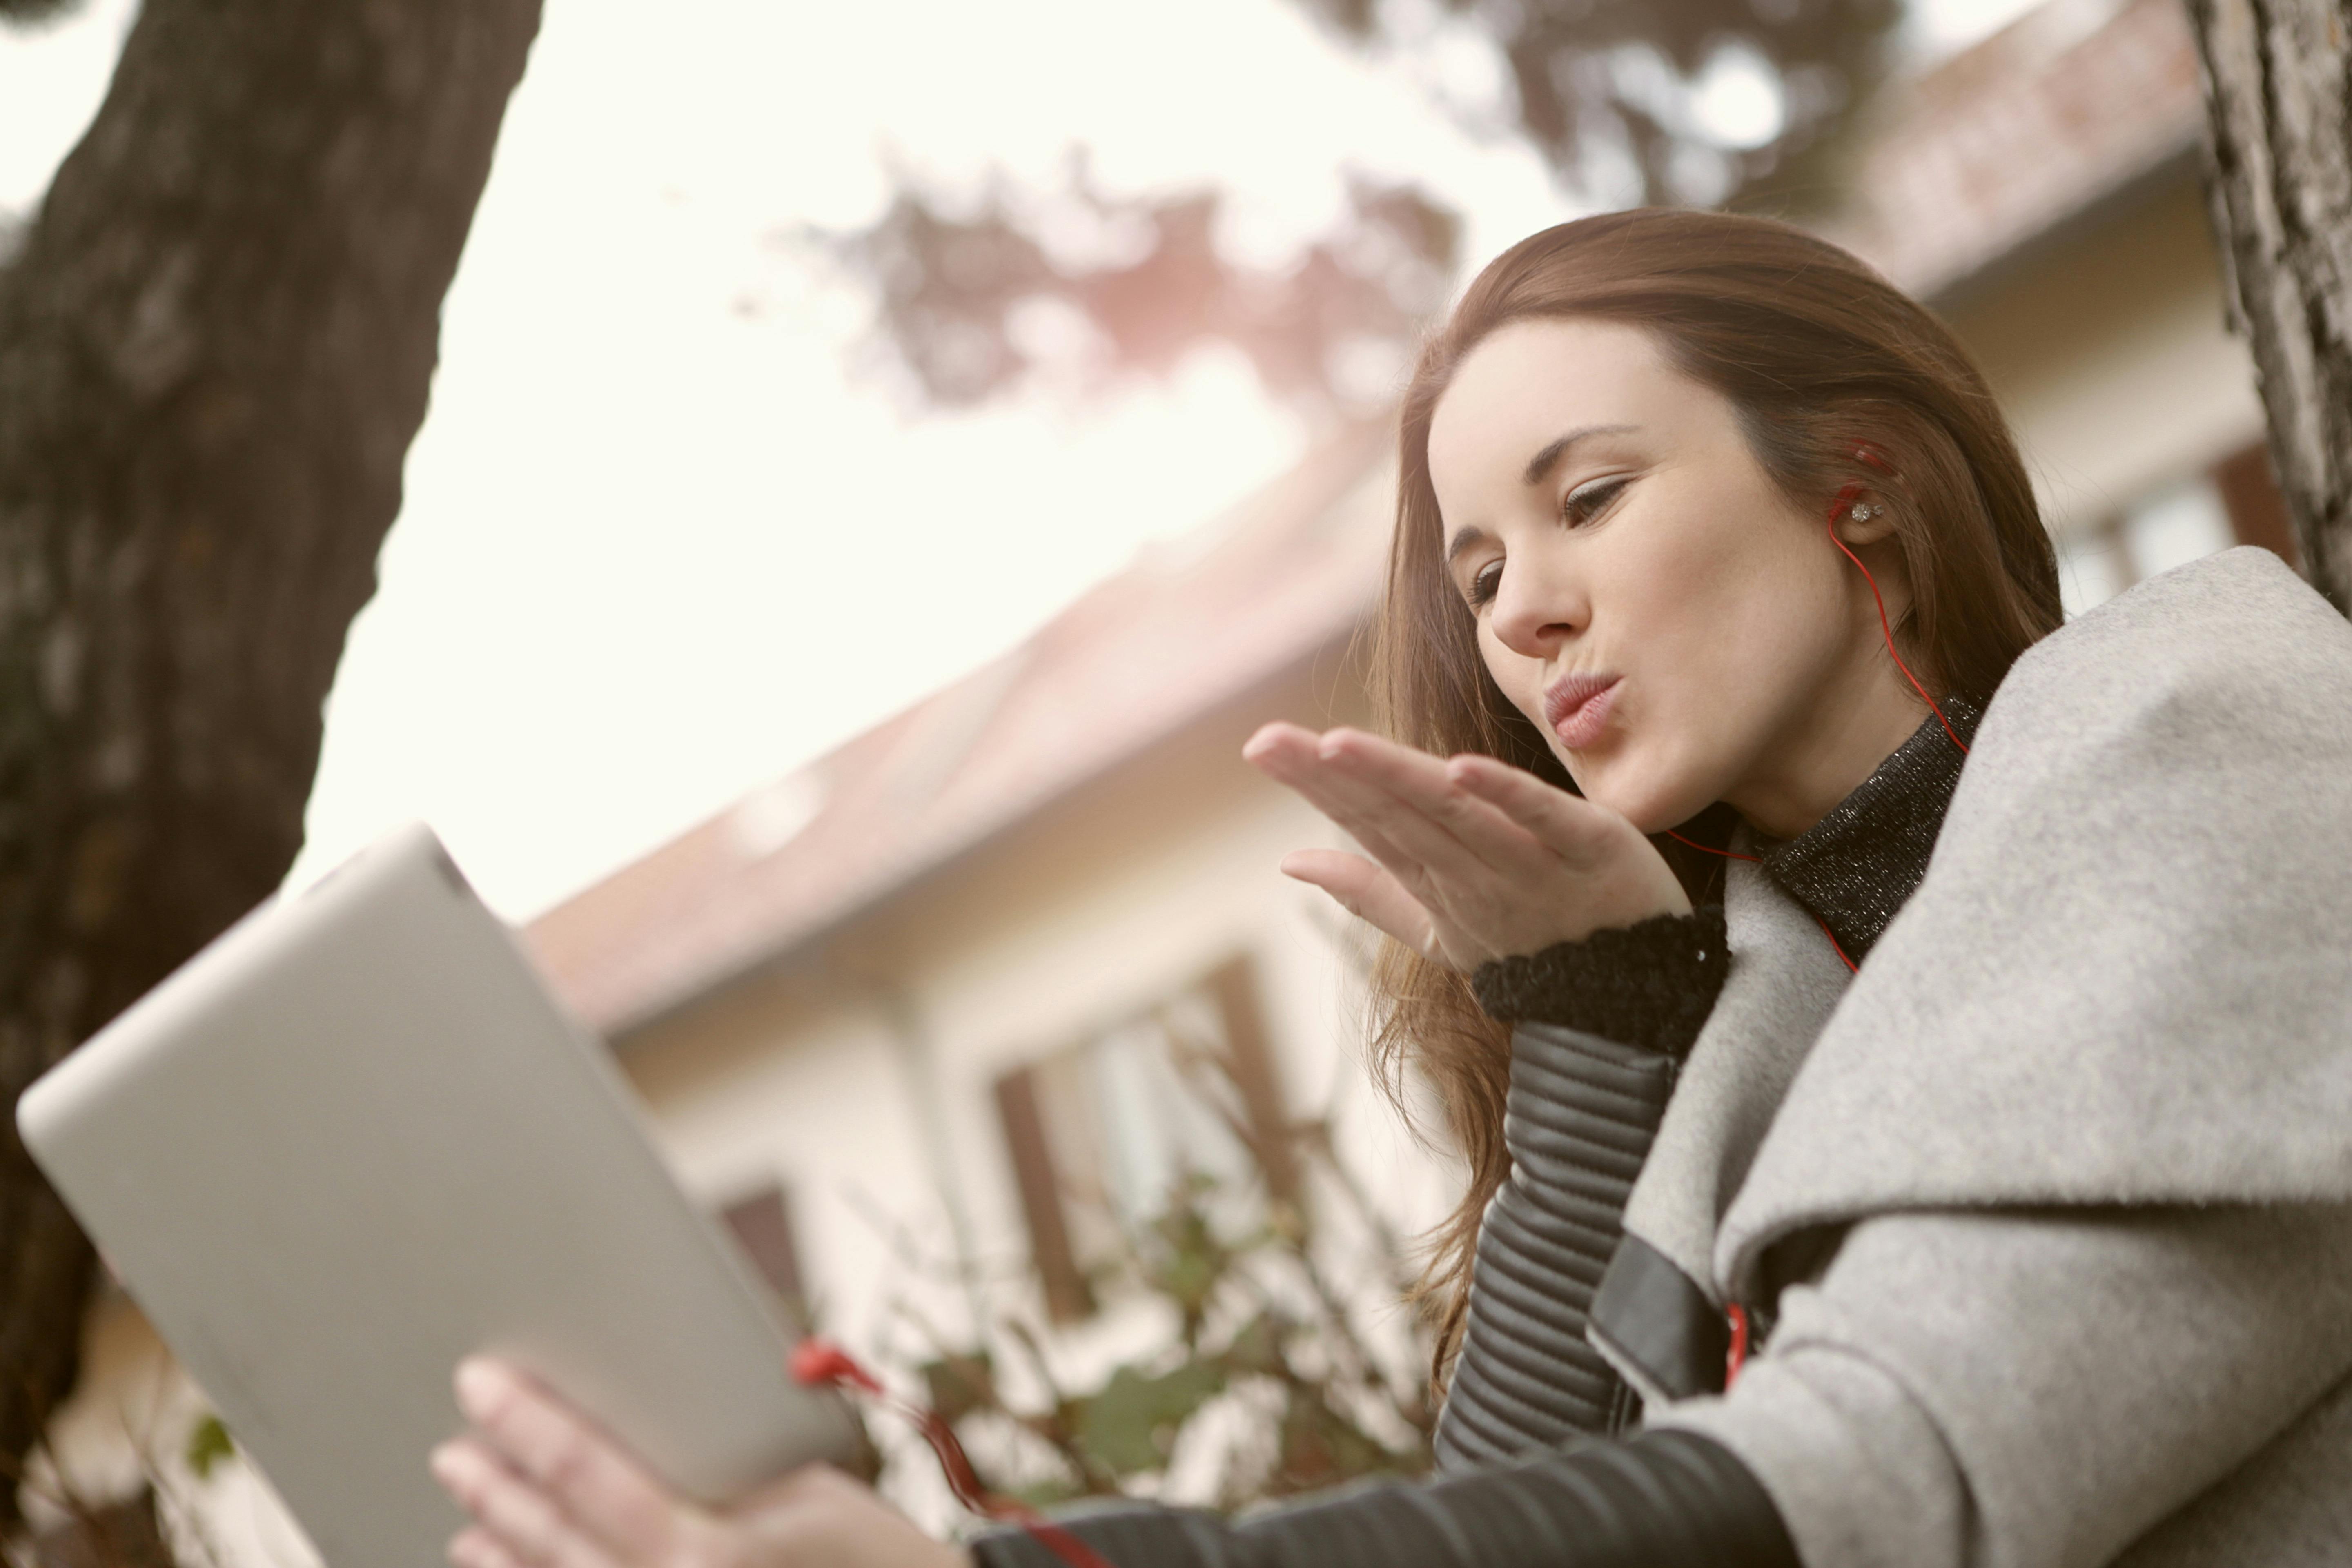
{"x":905,"y":1017}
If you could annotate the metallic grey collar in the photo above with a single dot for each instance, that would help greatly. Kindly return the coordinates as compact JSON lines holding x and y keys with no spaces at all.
{"x":1859,"y":865}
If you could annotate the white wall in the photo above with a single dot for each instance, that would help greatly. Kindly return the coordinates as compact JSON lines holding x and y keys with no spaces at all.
{"x":2111,"y":359}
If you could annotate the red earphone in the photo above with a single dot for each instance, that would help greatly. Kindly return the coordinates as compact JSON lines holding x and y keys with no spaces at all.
{"x":821,"y":1364}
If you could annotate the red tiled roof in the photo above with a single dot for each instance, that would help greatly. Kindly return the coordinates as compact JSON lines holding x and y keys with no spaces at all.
{"x":1965,"y":164}
{"x":1191,"y":625}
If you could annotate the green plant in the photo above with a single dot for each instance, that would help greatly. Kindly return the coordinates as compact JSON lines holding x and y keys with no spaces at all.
{"x":1284,"y":1365}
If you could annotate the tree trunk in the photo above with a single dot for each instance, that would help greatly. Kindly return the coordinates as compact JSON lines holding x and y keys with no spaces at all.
{"x":2277,"y":78}
{"x":216,"y":344}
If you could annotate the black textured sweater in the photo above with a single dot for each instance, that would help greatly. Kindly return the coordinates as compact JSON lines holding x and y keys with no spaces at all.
{"x":1532,"y":1472}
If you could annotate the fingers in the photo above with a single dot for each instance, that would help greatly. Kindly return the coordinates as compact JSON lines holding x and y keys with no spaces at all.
{"x":1628,"y":878}
{"x":1398,"y":803}
{"x":569,"y":1465}
{"x":1368,"y":892}
{"x":477,"y":1548}
{"x":516,"y":1524}
{"x":804,"y":1484}
{"x":1415,"y":803}
{"x":818,"y":1518}
{"x":1571,"y":827}
{"x":1491,"y":858}
{"x":1293,"y":756}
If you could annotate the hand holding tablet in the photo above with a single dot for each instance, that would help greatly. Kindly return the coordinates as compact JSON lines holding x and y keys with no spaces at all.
{"x":544,"y":1485}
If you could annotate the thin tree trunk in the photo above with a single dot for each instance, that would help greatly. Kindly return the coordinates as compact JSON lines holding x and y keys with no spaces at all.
{"x":2277,"y":77}
{"x":216,"y":344}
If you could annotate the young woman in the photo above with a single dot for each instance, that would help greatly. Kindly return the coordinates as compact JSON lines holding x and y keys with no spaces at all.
{"x":1903,"y":1046}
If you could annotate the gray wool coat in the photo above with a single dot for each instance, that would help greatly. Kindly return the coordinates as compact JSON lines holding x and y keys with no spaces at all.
{"x":2082,"y":1126}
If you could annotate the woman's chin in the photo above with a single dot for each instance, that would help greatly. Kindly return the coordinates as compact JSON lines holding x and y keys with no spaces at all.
{"x":1650,"y":803}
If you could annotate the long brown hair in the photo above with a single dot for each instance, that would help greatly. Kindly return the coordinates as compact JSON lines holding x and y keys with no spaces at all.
{"x":1816,"y":354}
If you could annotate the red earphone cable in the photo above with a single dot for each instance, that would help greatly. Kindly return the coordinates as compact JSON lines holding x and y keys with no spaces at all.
{"x":820,"y":1363}
{"x":1885,"y":626}
{"x":1755,"y":860}
{"x":1736,"y":1354}
{"x":1703,"y":849}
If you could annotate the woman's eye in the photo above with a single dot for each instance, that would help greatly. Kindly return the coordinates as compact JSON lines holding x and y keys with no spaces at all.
{"x":1486,"y":585}
{"x":1581,"y":505}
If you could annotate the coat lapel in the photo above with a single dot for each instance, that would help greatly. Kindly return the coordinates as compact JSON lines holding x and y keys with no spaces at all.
{"x":1659,"y":1316}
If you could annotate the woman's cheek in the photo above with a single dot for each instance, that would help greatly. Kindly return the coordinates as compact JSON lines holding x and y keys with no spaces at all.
{"x":1518,"y":678}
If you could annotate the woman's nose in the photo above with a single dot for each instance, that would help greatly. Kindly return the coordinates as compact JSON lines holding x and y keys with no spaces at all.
{"x":1534,"y":615}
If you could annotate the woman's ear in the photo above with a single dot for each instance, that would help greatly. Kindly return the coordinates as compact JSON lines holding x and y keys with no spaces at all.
{"x":1865,"y":520}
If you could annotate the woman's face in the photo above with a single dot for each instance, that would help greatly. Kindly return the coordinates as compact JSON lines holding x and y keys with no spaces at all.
{"x":1677,"y":630}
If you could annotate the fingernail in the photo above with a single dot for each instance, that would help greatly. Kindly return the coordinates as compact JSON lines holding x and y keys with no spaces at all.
{"x":453,"y":1468}
{"x":479,"y":1383}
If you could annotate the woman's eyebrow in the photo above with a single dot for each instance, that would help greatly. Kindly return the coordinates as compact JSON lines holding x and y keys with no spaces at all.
{"x":1540,"y":466}
{"x":1464,"y":538}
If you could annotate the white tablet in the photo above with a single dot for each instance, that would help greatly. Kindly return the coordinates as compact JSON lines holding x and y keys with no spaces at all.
{"x":353,"y":1140}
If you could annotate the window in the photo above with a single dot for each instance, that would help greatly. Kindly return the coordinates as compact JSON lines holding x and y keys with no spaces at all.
{"x":2236,"y":501}
{"x":2249,"y":491}
{"x":1099,"y":1131}
{"x":762,"y":1224}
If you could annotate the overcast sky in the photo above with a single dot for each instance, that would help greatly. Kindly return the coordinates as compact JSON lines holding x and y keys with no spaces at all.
{"x":659,"y":544}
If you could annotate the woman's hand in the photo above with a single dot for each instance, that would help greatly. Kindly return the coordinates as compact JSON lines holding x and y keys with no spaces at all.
{"x":549,"y":1489}
{"x":1473,"y":859}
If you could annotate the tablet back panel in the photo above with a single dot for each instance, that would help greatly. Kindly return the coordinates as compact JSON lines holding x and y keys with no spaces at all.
{"x":353,"y":1141}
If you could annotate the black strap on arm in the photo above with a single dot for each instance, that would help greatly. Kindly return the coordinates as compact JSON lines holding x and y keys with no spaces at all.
{"x":1662,"y":1500}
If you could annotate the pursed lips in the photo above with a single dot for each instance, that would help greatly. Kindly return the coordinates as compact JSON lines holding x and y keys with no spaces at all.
{"x":1576,"y":706}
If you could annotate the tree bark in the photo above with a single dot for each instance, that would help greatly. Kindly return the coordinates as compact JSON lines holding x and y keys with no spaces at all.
{"x":2277,"y":78}
{"x":216,"y":344}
